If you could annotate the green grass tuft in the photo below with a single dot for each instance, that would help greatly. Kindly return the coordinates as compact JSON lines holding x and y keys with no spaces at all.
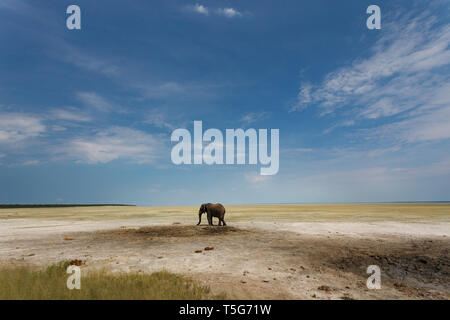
{"x":25,"y":283}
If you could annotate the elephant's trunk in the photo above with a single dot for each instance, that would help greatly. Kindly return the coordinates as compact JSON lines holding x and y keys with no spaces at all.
{"x":199,"y":218}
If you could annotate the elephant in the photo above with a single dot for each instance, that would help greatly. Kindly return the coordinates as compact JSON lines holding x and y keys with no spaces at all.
{"x":212,"y":210}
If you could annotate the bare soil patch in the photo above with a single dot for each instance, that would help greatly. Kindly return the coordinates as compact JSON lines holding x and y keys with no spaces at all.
{"x":311,"y":252}
{"x":254,"y":263}
{"x":173,"y":231}
{"x":421,"y":264}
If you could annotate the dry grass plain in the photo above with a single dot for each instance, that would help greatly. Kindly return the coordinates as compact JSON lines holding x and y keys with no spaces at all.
{"x":267,"y":251}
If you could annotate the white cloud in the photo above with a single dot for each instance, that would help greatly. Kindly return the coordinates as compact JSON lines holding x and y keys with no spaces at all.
{"x":114,"y":143}
{"x":159,"y":119}
{"x":397,"y":76}
{"x":58,"y":128}
{"x":254,"y":117}
{"x":225,"y":12}
{"x":407,"y":74}
{"x":70,"y":114}
{"x":229,"y":12}
{"x":71,"y":54}
{"x":347,"y":123}
{"x":16,"y":127}
{"x":30,"y":163}
{"x":198,"y":8}
{"x":303,"y":98}
{"x":175,"y":91}
{"x":96,"y":101}
{"x":433,"y":125}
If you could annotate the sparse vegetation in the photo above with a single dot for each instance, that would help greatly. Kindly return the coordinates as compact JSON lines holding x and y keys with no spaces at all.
{"x":402,"y":212}
{"x":26,"y":283}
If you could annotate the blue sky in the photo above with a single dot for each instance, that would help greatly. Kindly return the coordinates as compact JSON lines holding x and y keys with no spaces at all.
{"x":86,"y":115}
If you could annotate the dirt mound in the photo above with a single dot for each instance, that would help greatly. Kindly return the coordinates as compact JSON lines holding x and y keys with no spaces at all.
{"x":183,"y":231}
{"x":167,"y":232}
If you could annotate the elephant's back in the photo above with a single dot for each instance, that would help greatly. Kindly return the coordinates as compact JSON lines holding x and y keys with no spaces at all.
{"x":219,"y":206}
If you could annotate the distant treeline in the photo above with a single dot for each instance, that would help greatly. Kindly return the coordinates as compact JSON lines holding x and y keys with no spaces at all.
{"x":12,"y":206}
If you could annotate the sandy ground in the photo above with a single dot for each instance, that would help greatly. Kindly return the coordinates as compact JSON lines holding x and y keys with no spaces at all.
{"x":301,"y":252}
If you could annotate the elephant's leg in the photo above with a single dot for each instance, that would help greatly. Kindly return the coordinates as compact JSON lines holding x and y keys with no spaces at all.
{"x":210,"y":222}
{"x":223,"y":220}
{"x":220,"y":221}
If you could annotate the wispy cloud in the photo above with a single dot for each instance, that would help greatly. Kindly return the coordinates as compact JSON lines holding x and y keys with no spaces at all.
{"x":160,"y":120}
{"x":58,"y":128}
{"x":82,"y":59}
{"x":394,"y":78}
{"x":428,"y":126}
{"x":30,"y":163}
{"x":224,"y":12}
{"x":17,"y":127}
{"x":176,"y":91}
{"x":111,"y":144}
{"x":94,"y":100}
{"x":229,"y":12}
{"x":347,"y":123}
{"x":406,"y":73}
{"x":304,"y":97}
{"x":70,"y":114}
{"x":198,"y":8}
{"x":255,"y":117}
